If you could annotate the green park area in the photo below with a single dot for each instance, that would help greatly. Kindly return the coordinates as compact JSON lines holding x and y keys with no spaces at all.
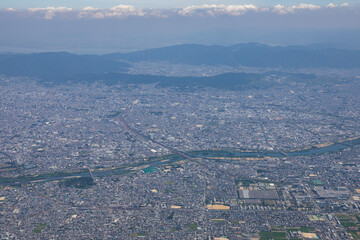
{"x":283,"y":233}
{"x":40,"y":227}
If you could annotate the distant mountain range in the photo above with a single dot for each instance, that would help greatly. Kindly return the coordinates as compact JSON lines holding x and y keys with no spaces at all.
{"x":251,"y":54}
{"x":62,"y":67}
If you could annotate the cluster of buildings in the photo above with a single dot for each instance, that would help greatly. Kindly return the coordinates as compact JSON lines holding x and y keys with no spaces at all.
{"x":277,"y":163}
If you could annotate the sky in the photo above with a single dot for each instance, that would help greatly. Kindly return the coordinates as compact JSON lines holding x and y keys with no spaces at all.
{"x":79,"y":4}
{"x":106,"y":26}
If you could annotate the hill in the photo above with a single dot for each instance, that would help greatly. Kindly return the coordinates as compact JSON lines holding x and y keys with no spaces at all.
{"x":251,"y":54}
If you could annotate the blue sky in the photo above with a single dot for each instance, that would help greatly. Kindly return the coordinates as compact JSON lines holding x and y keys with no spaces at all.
{"x":78,"y":4}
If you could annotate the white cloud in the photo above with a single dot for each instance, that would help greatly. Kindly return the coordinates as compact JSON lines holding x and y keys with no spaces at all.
{"x":89,"y":8}
{"x":331,"y":5}
{"x":212,"y":10}
{"x":50,"y":12}
{"x":206,"y":10}
{"x":281,"y":9}
{"x":54,"y":9}
{"x":125,"y":10}
{"x":116,"y":11}
{"x":160,"y":13}
{"x":307,"y":6}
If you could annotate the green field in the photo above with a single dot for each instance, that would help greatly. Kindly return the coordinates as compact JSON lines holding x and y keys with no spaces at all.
{"x":193,"y":227}
{"x":39,"y":228}
{"x":267,"y":235}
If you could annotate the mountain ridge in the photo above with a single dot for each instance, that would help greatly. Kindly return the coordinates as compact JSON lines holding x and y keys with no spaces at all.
{"x":249,"y":54}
